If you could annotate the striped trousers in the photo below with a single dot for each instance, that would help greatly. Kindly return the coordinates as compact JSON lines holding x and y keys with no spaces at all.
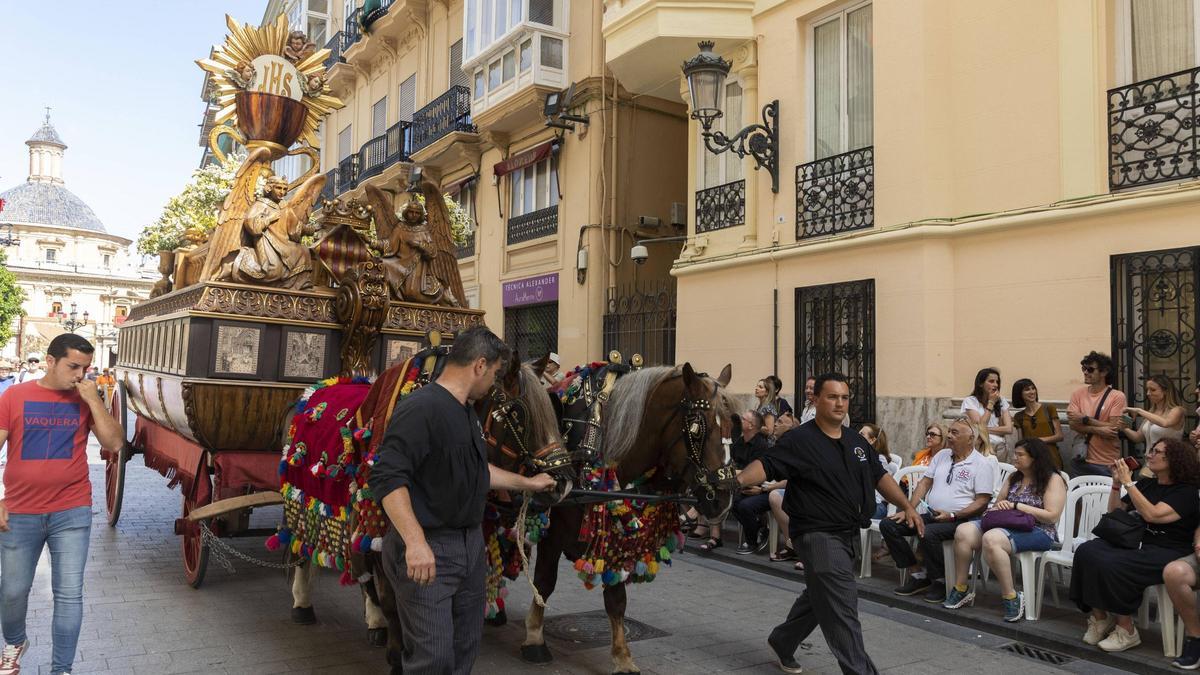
{"x":830,"y":600}
{"x":442,"y":622}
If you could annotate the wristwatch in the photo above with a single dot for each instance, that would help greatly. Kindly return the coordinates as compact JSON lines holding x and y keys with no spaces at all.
{"x":953,"y":516}
{"x":1087,"y":420}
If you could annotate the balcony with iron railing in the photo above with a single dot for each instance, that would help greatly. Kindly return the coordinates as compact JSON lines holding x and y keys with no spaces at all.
{"x":330,"y":191}
{"x":373,"y":158}
{"x":1153,"y":134}
{"x":721,"y":206}
{"x":467,"y":249}
{"x":836,"y":194}
{"x":533,"y":225}
{"x":448,"y":113}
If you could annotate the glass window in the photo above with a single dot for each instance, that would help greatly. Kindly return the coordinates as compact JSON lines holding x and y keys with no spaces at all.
{"x":843,"y":83}
{"x":479,"y":84}
{"x":500,"y":25}
{"x":469,"y":30}
{"x":494,"y":75}
{"x":379,"y":117}
{"x":55,"y":308}
{"x":295,"y":15}
{"x":510,"y":66}
{"x":733,"y":124}
{"x":542,"y":11}
{"x":1162,"y":37}
{"x":485,"y":25}
{"x":514,"y":13}
{"x":526,"y":55}
{"x":107,"y":260}
{"x":122,"y":310}
{"x":345,"y":142}
{"x":534,"y":187}
{"x":51,"y":255}
{"x":552,"y":52}
{"x":408,"y":98}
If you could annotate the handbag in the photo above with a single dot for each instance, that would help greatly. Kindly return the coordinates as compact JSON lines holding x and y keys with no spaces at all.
{"x":1007,"y":519}
{"x":1121,"y":529}
{"x":1080,"y":447}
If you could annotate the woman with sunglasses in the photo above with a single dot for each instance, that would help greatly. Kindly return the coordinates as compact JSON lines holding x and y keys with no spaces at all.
{"x":1108,"y":581}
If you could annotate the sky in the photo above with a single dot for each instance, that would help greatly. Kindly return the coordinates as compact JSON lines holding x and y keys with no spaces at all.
{"x":124,"y":91}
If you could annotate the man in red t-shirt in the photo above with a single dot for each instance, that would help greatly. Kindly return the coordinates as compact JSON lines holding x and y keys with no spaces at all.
{"x":46,"y":498}
{"x":1094,"y":414}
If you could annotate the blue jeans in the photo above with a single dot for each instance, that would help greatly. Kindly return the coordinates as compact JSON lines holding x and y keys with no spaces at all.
{"x":66,"y":534}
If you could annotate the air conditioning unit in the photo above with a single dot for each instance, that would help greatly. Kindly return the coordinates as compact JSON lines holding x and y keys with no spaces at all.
{"x":679,"y":213}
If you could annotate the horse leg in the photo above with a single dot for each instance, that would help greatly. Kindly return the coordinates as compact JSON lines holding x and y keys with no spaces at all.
{"x":387,"y":604}
{"x":545,"y":577}
{"x":614,"y":604}
{"x":302,"y":580}
{"x":376,"y":621}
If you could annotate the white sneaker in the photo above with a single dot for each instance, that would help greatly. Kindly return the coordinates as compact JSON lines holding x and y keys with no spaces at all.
{"x":1118,"y":640}
{"x":10,"y":658}
{"x":1098,"y":629}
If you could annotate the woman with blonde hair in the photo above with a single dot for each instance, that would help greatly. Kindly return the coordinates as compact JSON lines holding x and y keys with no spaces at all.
{"x":1164,"y":419}
{"x":767,"y":404}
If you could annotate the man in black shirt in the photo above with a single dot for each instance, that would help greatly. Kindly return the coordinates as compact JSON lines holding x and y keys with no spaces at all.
{"x":754,"y":500}
{"x":432,"y":476}
{"x":832,"y":474}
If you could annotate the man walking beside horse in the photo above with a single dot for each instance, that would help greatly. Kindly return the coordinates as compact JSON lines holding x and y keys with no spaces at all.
{"x":432,"y":477}
{"x":832,"y":474}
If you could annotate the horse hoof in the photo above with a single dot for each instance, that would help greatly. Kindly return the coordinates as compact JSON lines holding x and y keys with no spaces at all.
{"x":500,"y":619}
{"x":536,"y":654}
{"x":303,"y":615}
{"x":377,"y":637}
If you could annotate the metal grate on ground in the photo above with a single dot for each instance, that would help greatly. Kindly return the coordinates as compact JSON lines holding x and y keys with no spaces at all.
{"x":1036,"y":653}
{"x":591,"y":629}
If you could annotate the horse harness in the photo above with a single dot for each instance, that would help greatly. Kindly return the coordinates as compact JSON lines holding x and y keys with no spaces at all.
{"x":694,"y":437}
{"x":509,"y":420}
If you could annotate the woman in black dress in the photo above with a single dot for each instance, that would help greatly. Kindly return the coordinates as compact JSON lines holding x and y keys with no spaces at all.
{"x":1108,"y":581}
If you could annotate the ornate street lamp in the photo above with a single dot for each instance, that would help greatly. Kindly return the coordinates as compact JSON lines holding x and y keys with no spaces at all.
{"x":73,"y":324}
{"x":706,"y":73}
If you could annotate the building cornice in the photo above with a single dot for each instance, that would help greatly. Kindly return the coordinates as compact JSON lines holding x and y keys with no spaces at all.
{"x":20,"y":227}
{"x":28,"y":275}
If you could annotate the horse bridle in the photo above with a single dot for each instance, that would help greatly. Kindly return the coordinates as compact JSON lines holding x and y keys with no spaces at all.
{"x":694,"y":437}
{"x":512,"y":414}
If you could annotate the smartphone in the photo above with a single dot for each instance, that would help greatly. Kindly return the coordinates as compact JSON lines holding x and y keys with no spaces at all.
{"x":1131,"y":463}
{"x":1127,"y":420}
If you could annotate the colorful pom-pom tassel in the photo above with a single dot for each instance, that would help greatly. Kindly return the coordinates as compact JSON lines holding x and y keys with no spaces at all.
{"x":346,"y":579}
{"x":273,"y":542}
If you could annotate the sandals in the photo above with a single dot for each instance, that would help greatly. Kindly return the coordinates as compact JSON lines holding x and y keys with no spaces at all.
{"x":687,"y":524}
{"x":783,"y":555}
{"x":696,"y":532}
{"x":711,"y":544}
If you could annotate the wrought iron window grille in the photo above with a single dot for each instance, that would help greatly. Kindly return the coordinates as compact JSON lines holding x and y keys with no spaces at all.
{"x":835,"y":332}
{"x":1152,"y":130}
{"x":640,"y":319}
{"x":836,"y":194}
{"x":721,"y":206}
{"x":532,"y":330}
{"x":533,"y":225}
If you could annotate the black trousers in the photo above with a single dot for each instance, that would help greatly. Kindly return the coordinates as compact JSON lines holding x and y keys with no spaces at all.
{"x":830,"y":601}
{"x":748,"y":510}
{"x":931,"y":544}
{"x":442,"y":622}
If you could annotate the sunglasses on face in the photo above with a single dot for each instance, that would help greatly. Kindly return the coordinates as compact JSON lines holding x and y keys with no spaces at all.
{"x":932,"y":434}
{"x":1088,"y":369}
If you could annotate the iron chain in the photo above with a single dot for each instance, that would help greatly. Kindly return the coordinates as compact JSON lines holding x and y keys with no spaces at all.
{"x":219,"y":549}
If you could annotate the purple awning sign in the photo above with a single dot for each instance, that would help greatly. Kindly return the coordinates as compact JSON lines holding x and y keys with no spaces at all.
{"x":531,"y":291}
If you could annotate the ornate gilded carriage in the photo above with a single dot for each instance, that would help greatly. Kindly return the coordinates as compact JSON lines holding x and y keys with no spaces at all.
{"x":211,"y":368}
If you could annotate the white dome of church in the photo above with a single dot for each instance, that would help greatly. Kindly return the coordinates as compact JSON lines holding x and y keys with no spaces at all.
{"x":43,"y":198}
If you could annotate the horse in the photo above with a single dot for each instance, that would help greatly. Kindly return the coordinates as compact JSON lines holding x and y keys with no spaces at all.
{"x":656,"y":429}
{"x":519,"y":414}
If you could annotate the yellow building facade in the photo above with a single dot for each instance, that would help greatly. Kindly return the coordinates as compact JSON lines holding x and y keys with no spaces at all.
{"x":961,"y":185}
{"x":557,"y":195}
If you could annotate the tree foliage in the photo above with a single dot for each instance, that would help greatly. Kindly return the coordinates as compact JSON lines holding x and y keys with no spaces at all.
{"x":195,"y":207}
{"x":11,"y":298}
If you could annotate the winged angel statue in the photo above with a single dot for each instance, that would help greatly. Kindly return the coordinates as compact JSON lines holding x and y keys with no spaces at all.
{"x":417,"y":249}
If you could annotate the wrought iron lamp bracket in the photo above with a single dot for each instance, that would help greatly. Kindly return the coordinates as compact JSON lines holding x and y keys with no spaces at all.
{"x":760,"y":141}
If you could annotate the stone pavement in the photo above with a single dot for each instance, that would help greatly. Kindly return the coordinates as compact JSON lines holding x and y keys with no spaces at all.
{"x":141,"y":617}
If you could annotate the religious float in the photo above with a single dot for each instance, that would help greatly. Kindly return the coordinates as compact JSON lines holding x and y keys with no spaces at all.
{"x":287,"y":290}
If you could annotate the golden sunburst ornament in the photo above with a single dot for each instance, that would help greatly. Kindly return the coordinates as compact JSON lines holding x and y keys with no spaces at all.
{"x":271,"y":83}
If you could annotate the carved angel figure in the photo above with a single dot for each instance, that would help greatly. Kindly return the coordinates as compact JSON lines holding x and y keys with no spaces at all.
{"x":271,"y":253}
{"x":298,"y":47}
{"x":245,"y":76}
{"x":418,"y":253}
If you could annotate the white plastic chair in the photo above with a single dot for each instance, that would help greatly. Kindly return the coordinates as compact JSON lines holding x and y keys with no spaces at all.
{"x":1088,"y":481}
{"x":1003,"y":471}
{"x":1166,"y":619}
{"x":865,"y":535}
{"x":1093,"y":503}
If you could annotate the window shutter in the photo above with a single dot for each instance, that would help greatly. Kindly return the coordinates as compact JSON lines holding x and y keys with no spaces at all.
{"x":379,"y":117}
{"x":408,"y":98}
{"x":457,"y":76}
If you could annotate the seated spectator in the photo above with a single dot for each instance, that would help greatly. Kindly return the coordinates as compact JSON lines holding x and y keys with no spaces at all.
{"x":1181,"y":579}
{"x":1037,"y":420}
{"x":1036,"y":489}
{"x":935,"y":437}
{"x":1195,"y":435}
{"x":1163,"y":419}
{"x":1094,"y":414}
{"x":878,"y":440}
{"x":956,"y":488}
{"x":1108,"y":581}
{"x":985,"y":406}
{"x":785,"y":408}
{"x":753,"y":502}
{"x":766,"y":404}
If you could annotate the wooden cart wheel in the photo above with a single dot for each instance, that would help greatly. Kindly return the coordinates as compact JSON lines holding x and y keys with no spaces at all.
{"x":114,"y":464}
{"x":195,"y":553}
